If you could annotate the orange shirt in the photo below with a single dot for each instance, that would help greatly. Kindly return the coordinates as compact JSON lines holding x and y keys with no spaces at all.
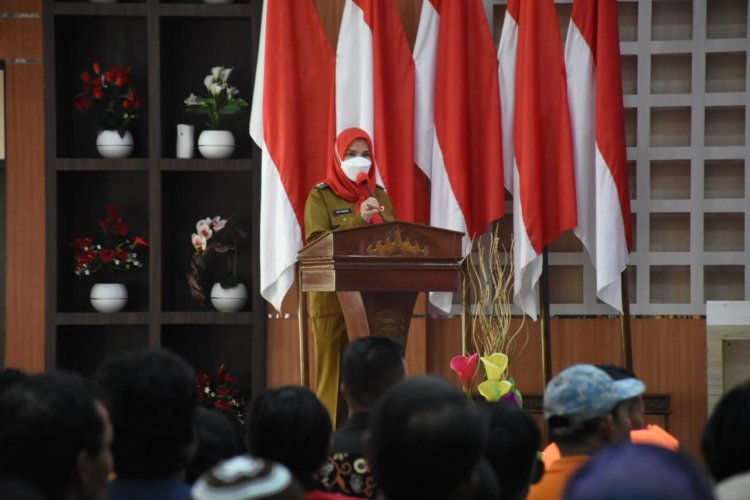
{"x":652,"y":434}
{"x":556,"y":476}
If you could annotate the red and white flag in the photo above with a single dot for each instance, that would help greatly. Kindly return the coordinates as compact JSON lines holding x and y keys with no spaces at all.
{"x":293,"y":130}
{"x":375,"y":92}
{"x":457,"y":131}
{"x":537,"y":139}
{"x":592,"y":58}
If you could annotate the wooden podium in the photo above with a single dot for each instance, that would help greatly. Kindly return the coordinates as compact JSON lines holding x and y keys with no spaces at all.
{"x":377,"y":272}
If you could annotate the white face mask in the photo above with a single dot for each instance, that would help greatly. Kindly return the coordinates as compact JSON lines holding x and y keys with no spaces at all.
{"x":352,"y":167}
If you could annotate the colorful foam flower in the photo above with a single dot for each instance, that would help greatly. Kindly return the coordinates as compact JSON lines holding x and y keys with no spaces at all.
{"x":493,"y":390}
{"x":465,"y":367}
{"x":495,"y":365}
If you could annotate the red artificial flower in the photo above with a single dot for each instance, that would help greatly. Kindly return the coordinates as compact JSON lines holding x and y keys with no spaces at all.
{"x":125,"y":104}
{"x":98,"y":92}
{"x":465,"y":367}
{"x":140,"y":242}
{"x":86,"y":257}
{"x":85,"y":77}
{"x":137,"y":104}
{"x":202,"y":379}
{"x":131,"y":95}
{"x":97,"y":68}
{"x":81,"y":243}
{"x":222,"y":405}
{"x":121,"y":79}
{"x":121,"y":227}
{"x":112,"y":212}
{"x":108,"y":76}
{"x":106,"y":255}
{"x":122,"y":255}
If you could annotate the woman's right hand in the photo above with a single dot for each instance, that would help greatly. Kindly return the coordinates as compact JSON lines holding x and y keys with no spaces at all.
{"x":369,"y":207}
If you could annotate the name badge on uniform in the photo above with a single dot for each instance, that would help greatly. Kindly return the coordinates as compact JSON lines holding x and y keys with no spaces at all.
{"x":342,"y":211}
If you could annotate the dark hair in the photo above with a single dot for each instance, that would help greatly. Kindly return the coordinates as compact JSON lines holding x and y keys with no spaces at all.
{"x":152,"y":402}
{"x":512,"y":447}
{"x":371,"y":366}
{"x":291,"y":426}
{"x":560,"y":430}
{"x":726,"y":436}
{"x":45,"y":422}
{"x":425,"y":440}
{"x":217,"y":440}
{"x":10,"y":377}
{"x":616,"y":372}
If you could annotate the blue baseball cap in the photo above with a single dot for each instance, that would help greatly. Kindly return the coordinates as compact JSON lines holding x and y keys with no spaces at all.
{"x":583,"y":392}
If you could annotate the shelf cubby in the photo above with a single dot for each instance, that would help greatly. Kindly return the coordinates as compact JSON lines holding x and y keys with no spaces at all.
{"x":726,"y":19}
{"x":725,"y":126}
{"x":669,"y":284}
{"x":726,"y":72}
{"x":81,"y":200}
{"x":670,"y":127}
{"x":671,"y":73}
{"x":724,"y":179}
{"x":569,"y":284}
{"x":185,"y":65}
{"x":187,"y":198}
{"x":100,"y":341}
{"x":670,"y":179}
{"x":724,"y":282}
{"x":669,"y":232}
{"x":230,"y":345}
{"x":723,"y":232}
{"x":671,"y":20}
{"x":627,"y":14}
{"x":80,"y":41}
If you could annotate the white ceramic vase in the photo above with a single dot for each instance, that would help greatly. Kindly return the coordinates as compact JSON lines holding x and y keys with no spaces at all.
{"x":111,"y":145}
{"x":216,"y":144}
{"x":109,"y":297}
{"x":229,"y":299}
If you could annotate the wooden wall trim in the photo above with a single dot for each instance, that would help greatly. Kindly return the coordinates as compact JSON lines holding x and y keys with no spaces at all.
{"x":25,"y":328}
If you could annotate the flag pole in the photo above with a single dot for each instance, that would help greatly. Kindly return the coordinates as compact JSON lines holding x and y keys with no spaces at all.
{"x":625,"y":332}
{"x":302,"y":330}
{"x":545,"y":320}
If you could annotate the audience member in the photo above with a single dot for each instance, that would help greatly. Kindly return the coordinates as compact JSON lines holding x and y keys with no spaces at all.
{"x":580,"y":407}
{"x":426,"y":441}
{"x":725,"y":444}
{"x":247,"y":478}
{"x":152,"y":400}
{"x":291,"y":426}
{"x":217,"y":441}
{"x":512,"y":447}
{"x":371,"y":366}
{"x":630,"y":411}
{"x":55,"y":438}
{"x":638,"y":472}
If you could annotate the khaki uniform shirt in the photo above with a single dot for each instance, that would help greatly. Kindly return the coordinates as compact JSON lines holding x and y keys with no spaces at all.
{"x":325,"y":212}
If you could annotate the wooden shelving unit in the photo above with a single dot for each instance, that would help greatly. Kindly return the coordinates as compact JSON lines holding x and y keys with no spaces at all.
{"x":170,"y":47}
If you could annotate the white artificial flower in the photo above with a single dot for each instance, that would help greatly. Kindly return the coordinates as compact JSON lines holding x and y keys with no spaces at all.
{"x":202,"y":222}
{"x":224,"y":75}
{"x":216,"y":89}
{"x":192,"y":100}
{"x":216,"y":71}
{"x":208,"y":81}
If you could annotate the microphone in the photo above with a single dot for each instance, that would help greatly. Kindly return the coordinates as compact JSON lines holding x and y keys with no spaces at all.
{"x":363,"y":180}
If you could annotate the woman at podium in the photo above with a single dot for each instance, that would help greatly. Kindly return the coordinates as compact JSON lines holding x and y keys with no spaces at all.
{"x":345,"y":199}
